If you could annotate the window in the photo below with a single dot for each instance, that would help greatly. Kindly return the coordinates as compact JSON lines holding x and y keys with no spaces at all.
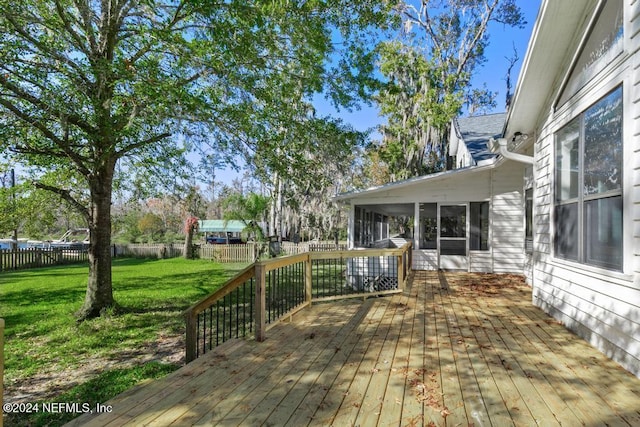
{"x":357,"y":226}
{"x":428,"y":226}
{"x":528,"y":220}
{"x":479,"y":233}
{"x":588,"y":185}
{"x":604,"y":43}
{"x":453,"y":230}
{"x":377,"y":227}
{"x":385,"y":227}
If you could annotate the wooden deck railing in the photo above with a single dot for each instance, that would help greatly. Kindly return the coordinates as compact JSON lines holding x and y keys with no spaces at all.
{"x":268,"y":291}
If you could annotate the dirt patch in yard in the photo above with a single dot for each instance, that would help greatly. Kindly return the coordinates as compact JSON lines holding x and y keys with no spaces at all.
{"x":52,"y":382}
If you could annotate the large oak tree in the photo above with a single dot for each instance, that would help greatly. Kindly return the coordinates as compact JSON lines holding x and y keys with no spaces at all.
{"x":429,"y":71}
{"x":88,"y":84}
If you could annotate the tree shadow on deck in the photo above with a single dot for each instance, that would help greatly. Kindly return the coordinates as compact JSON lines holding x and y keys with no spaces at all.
{"x":538,"y":366}
{"x":455,"y":348}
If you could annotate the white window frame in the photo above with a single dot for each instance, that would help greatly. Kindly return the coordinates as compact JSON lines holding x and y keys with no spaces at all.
{"x":583,"y":199}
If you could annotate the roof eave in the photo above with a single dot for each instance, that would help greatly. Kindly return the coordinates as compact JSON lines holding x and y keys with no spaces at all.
{"x":554,"y":33}
{"x":481,"y":166}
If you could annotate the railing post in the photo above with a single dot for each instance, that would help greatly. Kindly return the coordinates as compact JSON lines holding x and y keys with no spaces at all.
{"x":1,"y":367}
{"x":191,"y":338}
{"x":261,"y":301}
{"x":400,"y":271}
{"x":308,"y":277}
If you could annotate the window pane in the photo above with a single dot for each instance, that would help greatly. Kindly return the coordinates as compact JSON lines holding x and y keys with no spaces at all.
{"x":377,"y":227}
{"x":604,"y":42}
{"x":479,"y":233}
{"x":603,"y":232}
{"x":385,"y":227}
{"x":428,"y":226}
{"x":528,"y":213}
{"x":603,"y":145}
{"x":566,"y":236}
{"x":567,"y":158}
{"x":453,"y":247}
{"x":528,"y":224}
{"x":605,"y":35}
{"x":453,"y":221}
{"x":357,"y":226}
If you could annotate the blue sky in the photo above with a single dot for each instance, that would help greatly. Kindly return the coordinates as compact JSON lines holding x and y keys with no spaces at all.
{"x":493,"y":74}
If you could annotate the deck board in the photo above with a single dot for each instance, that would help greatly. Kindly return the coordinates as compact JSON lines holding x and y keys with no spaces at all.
{"x":453,"y":349}
{"x":412,"y":407}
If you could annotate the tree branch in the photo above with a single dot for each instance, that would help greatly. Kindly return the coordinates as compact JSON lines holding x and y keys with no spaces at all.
{"x":66,"y":195}
{"x":42,"y":127}
{"x":74,"y":119}
{"x":43,"y":48}
{"x":467,"y":55}
{"x":69,"y":28}
{"x":140,"y":144}
{"x":86,"y":15}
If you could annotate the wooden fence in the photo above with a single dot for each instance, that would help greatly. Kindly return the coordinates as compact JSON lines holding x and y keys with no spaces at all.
{"x":149,"y":250}
{"x":248,"y":252}
{"x":23,"y":259}
{"x":233,"y":253}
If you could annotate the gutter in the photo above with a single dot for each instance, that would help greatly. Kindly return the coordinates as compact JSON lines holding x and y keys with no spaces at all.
{"x":500,"y":146}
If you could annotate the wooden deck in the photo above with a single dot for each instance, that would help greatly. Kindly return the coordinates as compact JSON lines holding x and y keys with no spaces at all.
{"x":454,"y":349}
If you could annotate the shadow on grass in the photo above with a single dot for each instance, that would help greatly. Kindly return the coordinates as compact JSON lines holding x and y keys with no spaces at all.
{"x":64,"y":288}
{"x":87,"y":396}
{"x":39,"y":308}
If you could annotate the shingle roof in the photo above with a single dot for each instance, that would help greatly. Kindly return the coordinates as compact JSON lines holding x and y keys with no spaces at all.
{"x":477,"y":130}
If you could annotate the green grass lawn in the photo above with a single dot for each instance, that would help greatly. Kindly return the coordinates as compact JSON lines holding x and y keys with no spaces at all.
{"x":42,"y":334}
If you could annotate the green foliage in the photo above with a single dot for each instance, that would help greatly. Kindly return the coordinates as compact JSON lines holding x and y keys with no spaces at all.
{"x":151,"y":225}
{"x":85,"y":86}
{"x":428,"y":76}
{"x":250,"y":209}
{"x":42,"y":333}
{"x":36,"y":214}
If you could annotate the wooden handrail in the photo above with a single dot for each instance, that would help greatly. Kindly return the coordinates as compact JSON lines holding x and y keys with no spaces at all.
{"x":259,"y":271}
{"x":274,"y":263}
{"x":191,"y":314}
{"x":226,"y":289}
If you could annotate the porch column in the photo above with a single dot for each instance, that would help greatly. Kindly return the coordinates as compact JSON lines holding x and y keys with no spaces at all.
{"x":351,"y":226}
{"x":416,"y":225}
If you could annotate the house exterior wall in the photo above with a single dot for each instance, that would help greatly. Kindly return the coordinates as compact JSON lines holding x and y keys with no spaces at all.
{"x":602,"y":306}
{"x":501,"y":186}
{"x":463,"y":157}
{"x":507,"y":218}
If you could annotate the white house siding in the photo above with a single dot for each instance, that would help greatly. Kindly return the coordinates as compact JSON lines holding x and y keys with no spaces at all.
{"x":480,"y":262}
{"x":635,"y":47}
{"x":502,"y":186}
{"x":463,"y":157}
{"x":507,"y":218}
{"x":424,"y":259}
{"x":601,"y":306}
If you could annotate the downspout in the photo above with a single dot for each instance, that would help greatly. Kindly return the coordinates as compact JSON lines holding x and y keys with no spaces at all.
{"x":500,"y":145}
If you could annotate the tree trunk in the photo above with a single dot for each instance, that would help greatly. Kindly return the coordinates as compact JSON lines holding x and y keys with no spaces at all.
{"x":276,"y":207}
{"x":99,"y":296}
{"x":188,"y":244}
